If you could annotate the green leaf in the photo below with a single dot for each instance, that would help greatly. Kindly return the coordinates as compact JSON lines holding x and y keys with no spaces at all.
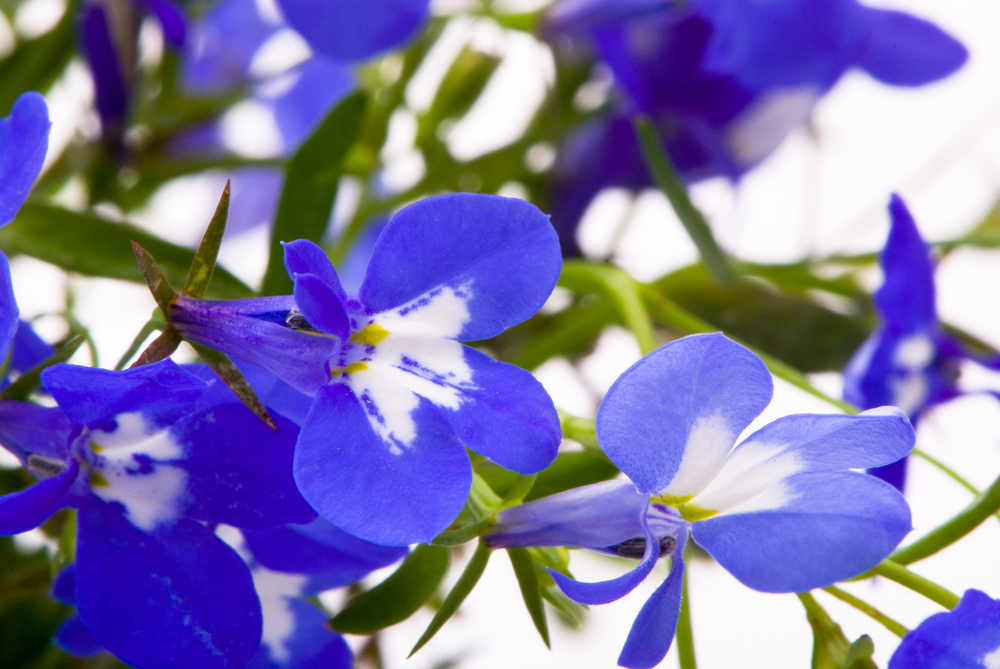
{"x":570,"y":612}
{"x":396,"y":598}
{"x":311,"y":187}
{"x":92,"y":246}
{"x":160,"y":348}
{"x":26,"y":384}
{"x":230,"y":374}
{"x":466,"y":582}
{"x":616,"y":286}
{"x":527,"y":579}
{"x":158,"y":284}
{"x":200,"y":274}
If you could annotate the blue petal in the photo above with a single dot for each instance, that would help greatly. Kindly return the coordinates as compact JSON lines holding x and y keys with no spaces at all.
{"x":813,"y":530}
{"x":308,"y":642}
{"x":685,"y":402}
{"x":329,"y":555}
{"x":254,"y":197}
{"x":396,"y":488}
{"x":462,"y":266}
{"x":27,"y":509}
{"x":960,"y":638}
{"x":321,"y":83}
{"x":579,"y":15}
{"x":64,"y":585}
{"x":110,"y":90}
{"x":653,"y":630}
{"x":321,"y":307}
{"x":304,"y":257}
{"x":195,"y":595}
{"x":8,"y":307}
{"x":222,"y":45}
{"x":353,"y":30}
{"x":29,"y":428}
{"x":161,"y":392}
{"x":256,"y":331}
{"x":592,"y":516}
{"x":496,"y":409}
{"x":24,"y":140}
{"x":28,"y":349}
{"x":239,"y":472}
{"x":903,"y":50}
{"x":74,"y":638}
{"x":783,"y":42}
{"x":605,"y":592}
{"x":906,"y":298}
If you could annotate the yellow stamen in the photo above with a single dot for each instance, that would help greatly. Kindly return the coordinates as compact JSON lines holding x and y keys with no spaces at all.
{"x":95,"y":447}
{"x":670,"y":500}
{"x":355,"y":367}
{"x":98,"y":481}
{"x":692,"y":513}
{"x":370,"y":335}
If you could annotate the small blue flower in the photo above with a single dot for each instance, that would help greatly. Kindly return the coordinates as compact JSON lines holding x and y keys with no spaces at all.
{"x":725,"y":81}
{"x":148,"y":466}
{"x":24,"y":141}
{"x":909,"y":361}
{"x":781,"y":511}
{"x":967,"y":637}
{"x":395,"y":398}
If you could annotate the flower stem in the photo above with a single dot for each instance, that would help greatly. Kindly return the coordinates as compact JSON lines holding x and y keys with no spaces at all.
{"x":951,"y":473}
{"x":929,"y":589}
{"x":869,"y":610}
{"x":944,"y":535}
{"x":685,"y":634}
{"x":617,"y":287}
{"x":665,"y":177}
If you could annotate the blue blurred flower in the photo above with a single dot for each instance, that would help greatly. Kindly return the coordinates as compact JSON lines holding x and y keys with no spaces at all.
{"x":24,"y":140}
{"x":725,"y":81}
{"x":781,"y":511}
{"x":909,"y":361}
{"x":147,"y":467}
{"x":395,"y":398}
{"x":967,"y":637}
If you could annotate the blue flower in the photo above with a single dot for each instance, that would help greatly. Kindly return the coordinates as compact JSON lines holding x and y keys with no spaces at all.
{"x":782,"y":512}
{"x":24,"y":140}
{"x":725,"y":81}
{"x":287,"y":563}
{"x":395,"y":399}
{"x":147,"y":467}
{"x":909,"y":361}
{"x":967,"y":637}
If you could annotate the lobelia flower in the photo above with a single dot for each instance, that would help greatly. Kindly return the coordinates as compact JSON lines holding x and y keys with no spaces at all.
{"x":967,"y":637}
{"x":287,"y":563}
{"x":147,"y":465}
{"x":24,"y":140}
{"x":782,"y":512}
{"x":725,"y":81}
{"x":395,"y":399}
{"x":908,"y":361}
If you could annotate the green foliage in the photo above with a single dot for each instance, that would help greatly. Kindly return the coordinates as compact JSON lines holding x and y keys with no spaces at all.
{"x":397,"y":597}
{"x":527,"y":580}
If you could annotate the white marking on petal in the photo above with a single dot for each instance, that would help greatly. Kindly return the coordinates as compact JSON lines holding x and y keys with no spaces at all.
{"x":389,"y":407}
{"x":992,"y":659}
{"x":914,"y":352}
{"x":442,"y":312}
{"x":708,"y":444}
{"x":769,"y":499}
{"x":275,"y":590}
{"x":131,"y":461}
{"x":910,"y":392}
{"x":751,"y":469}
{"x":431,"y":367}
{"x":761,"y":128}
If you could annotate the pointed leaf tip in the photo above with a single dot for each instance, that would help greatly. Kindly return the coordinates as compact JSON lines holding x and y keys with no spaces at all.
{"x":203,"y":266}
{"x":158,"y":286}
{"x":230,"y":374}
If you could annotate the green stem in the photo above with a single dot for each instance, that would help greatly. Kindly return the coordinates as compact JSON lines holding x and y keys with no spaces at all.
{"x":929,"y":589}
{"x":944,"y":535}
{"x":665,"y":177}
{"x":685,"y":633}
{"x":620,"y":289}
{"x":868,"y":610}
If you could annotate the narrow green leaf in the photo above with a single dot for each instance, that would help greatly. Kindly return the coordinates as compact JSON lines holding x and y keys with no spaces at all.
{"x":463,"y":534}
{"x":160,"y":348}
{"x":92,"y":246}
{"x":527,"y":579}
{"x":158,"y":284}
{"x":26,"y":384}
{"x":203,"y":266}
{"x":311,"y":186}
{"x":466,"y":582}
{"x":396,"y":598}
{"x":569,"y":611}
{"x":230,"y":374}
